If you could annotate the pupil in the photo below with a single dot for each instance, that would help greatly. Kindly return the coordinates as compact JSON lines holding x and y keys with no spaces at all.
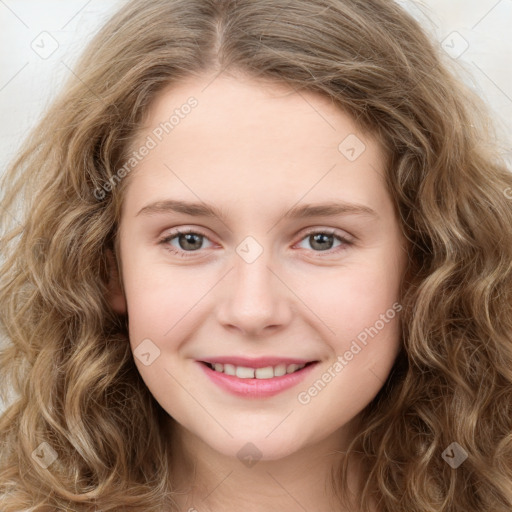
{"x":319,"y":238}
{"x":188,"y":237}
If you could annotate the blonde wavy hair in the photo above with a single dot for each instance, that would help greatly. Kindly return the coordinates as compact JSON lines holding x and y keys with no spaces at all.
{"x":67,"y":358}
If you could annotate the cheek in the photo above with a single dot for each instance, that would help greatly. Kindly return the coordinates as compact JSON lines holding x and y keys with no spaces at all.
{"x":362,"y":312}
{"x":152,"y":298}
{"x":157,"y":301}
{"x":166,"y":303}
{"x":353,"y":299}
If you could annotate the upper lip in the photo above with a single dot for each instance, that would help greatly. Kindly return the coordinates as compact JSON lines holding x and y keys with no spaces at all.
{"x":257,"y":362}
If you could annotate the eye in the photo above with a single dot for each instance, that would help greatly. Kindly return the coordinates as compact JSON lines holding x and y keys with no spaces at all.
{"x":322,"y":240}
{"x":188,"y":240}
{"x":191,"y":240}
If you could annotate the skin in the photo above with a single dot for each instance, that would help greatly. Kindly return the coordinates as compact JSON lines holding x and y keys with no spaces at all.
{"x":255,"y":150}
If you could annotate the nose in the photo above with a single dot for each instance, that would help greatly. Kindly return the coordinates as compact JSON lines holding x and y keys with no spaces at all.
{"x":255,"y":300}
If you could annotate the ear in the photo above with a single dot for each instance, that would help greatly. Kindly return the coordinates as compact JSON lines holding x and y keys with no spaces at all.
{"x":115,"y":294}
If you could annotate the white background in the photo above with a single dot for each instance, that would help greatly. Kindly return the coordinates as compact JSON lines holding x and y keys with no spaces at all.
{"x":476,"y":34}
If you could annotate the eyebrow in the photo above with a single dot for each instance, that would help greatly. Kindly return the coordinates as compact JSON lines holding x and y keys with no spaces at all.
{"x":329,"y":209}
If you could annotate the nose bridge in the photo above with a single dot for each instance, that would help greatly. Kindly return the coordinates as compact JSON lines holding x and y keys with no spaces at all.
{"x":255,"y":298}
{"x":253,"y":279}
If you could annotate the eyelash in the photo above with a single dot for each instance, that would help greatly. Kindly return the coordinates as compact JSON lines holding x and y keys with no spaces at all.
{"x":187,"y":254}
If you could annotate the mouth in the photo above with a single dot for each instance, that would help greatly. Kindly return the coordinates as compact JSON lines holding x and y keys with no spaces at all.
{"x":256,"y":381}
{"x":249,"y":372}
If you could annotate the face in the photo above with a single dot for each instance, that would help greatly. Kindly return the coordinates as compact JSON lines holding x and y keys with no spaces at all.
{"x":292,"y":255}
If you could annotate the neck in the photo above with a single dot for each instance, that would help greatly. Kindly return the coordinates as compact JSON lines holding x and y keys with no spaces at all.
{"x":209,"y":481}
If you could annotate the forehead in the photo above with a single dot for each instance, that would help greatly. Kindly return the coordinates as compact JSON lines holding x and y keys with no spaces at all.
{"x":246,"y":139}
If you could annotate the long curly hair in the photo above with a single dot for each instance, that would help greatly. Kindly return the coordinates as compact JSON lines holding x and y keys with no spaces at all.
{"x":67,"y":362}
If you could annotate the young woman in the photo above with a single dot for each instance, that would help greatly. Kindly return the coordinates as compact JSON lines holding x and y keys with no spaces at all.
{"x":258,"y":257}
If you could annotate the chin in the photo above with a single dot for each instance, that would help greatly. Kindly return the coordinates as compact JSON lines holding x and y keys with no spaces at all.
{"x":249,"y":450}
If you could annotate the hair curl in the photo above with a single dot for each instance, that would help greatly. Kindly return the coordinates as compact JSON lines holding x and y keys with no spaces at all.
{"x":67,"y":358}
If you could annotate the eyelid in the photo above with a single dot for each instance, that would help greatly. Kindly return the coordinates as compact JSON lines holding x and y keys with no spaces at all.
{"x":345,"y":239}
{"x":329,"y":231}
{"x":183,"y":231}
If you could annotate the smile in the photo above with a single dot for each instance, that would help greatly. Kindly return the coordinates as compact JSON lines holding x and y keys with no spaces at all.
{"x":260,"y":382}
{"x":268,"y":372}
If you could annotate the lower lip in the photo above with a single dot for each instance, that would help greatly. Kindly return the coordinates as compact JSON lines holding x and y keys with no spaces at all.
{"x":256,"y":388}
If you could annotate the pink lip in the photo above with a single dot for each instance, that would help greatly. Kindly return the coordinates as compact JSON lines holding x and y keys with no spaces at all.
{"x":257,"y":362}
{"x":256,"y":388}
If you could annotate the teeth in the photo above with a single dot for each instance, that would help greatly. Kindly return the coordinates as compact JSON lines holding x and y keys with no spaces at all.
{"x":279,"y":370}
{"x":229,"y":369}
{"x":291,"y":368}
{"x":264,"y":373}
{"x":243,"y":372}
